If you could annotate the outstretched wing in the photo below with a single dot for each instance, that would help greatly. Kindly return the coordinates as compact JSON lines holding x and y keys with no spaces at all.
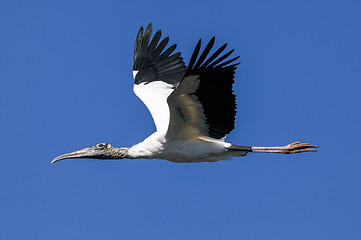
{"x":203,"y":103}
{"x":156,"y":74}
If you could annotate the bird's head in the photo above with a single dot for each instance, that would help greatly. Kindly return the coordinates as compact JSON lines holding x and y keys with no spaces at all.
{"x":99,"y":151}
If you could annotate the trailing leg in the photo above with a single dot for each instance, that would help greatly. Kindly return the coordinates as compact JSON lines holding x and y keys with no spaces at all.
{"x":296,"y":147}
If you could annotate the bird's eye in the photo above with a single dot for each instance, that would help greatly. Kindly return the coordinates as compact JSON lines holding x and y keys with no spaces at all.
{"x":101,"y":145}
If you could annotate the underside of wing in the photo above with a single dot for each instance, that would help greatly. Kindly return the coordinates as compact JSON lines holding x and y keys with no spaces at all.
{"x":156,"y":73}
{"x":215,"y":91}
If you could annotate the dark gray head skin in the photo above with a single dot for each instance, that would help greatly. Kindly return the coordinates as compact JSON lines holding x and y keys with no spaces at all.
{"x":99,"y":151}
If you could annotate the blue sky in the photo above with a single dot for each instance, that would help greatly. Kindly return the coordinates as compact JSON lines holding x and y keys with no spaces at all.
{"x":66,"y":84}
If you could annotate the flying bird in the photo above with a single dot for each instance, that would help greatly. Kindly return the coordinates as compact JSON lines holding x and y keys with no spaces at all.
{"x":193,"y":107}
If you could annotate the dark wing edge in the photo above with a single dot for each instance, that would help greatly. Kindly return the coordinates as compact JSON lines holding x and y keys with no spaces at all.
{"x":215,"y":91}
{"x":152,"y":63}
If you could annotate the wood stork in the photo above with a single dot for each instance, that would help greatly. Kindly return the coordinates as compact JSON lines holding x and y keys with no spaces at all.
{"x":193,"y":107}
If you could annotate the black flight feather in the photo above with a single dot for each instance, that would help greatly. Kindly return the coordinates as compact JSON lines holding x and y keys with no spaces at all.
{"x":152,"y":62}
{"x":215,"y":91}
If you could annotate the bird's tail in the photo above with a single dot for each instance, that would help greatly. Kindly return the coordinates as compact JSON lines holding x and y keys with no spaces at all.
{"x":238,"y":151}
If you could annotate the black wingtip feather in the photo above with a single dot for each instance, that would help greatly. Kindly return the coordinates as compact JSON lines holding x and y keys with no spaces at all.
{"x":205,"y":52}
{"x":153,"y":44}
{"x":152,"y":62}
{"x":194,"y":55}
{"x":221,"y":58}
{"x":168,"y":52}
{"x":227,"y":62}
{"x":161,"y":46}
{"x":138,"y":42}
{"x":214,"y":55}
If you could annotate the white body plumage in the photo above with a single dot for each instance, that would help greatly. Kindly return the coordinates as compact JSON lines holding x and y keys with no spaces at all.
{"x":177,"y":150}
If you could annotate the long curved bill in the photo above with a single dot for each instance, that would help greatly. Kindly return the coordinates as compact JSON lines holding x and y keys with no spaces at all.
{"x":83,"y":153}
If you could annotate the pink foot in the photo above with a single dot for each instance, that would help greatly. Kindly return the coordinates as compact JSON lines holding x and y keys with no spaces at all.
{"x":298,"y":147}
